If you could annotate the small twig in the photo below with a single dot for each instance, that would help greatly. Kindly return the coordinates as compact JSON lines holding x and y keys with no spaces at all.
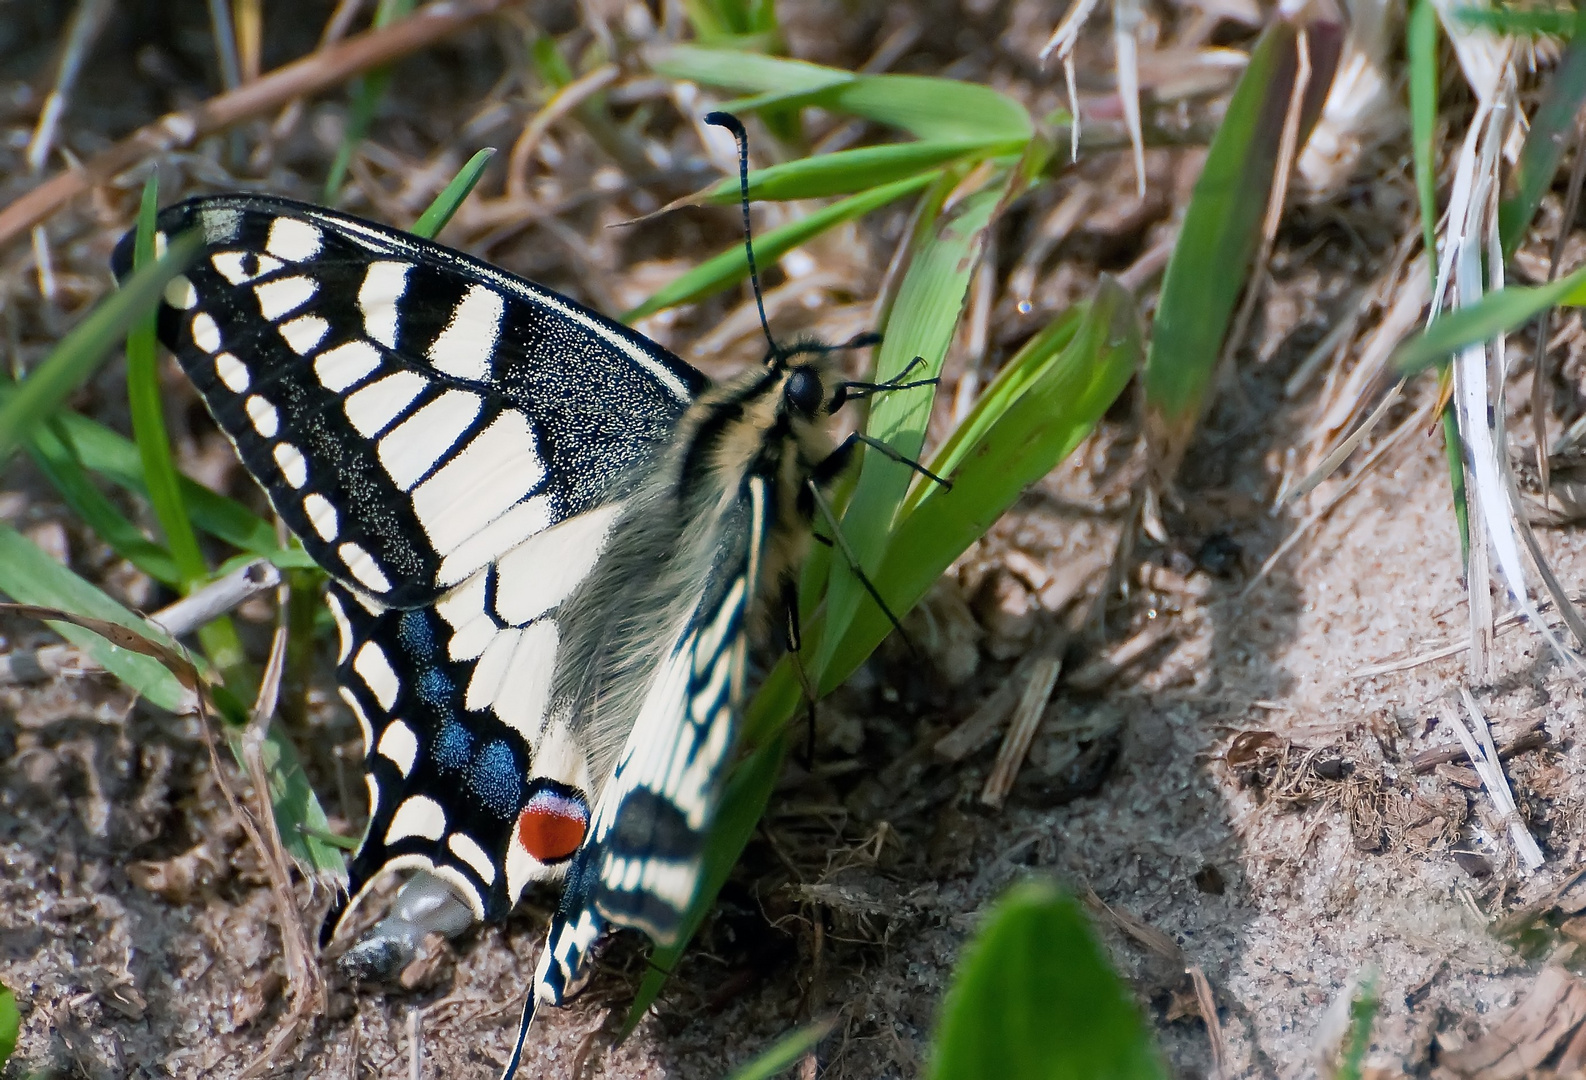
{"x":317,"y":71}
{"x":1427,"y":760}
{"x":180,"y":619}
{"x":1026,"y":719}
{"x":415,"y":1046}
{"x":1097,"y":673}
{"x":1485,"y":759}
{"x":1214,"y":1026}
{"x":980,"y":727}
{"x":563,"y":102}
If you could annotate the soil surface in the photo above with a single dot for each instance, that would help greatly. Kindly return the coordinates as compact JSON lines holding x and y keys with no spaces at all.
{"x":1242,"y":796}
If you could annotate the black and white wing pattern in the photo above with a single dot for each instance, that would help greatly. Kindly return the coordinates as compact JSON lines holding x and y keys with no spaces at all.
{"x":548,"y":539}
{"x":453,"y":445}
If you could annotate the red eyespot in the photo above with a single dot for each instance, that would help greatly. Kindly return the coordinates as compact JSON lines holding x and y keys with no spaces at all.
{"x":552,"y":825}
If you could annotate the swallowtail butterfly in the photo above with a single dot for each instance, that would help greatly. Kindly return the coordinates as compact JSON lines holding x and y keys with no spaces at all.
{"x":549,"y":542}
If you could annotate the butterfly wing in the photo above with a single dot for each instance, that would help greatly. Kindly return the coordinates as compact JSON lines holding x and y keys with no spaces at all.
{"x":453,"y":445}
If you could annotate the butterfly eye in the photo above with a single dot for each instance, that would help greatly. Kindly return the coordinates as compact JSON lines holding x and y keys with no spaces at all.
{"x":803,"y":391}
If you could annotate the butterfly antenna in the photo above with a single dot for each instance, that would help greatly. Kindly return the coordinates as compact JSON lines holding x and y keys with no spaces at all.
{"x":733,"y":124}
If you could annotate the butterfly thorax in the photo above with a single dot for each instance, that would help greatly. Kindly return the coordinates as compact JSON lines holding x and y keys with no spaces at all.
{"x":733,"y":481}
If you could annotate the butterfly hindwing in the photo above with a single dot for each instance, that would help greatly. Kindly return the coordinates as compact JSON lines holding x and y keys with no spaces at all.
{"x":453,"y":445}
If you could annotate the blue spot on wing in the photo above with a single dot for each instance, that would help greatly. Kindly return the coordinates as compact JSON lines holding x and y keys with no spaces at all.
{"x":416,"y":634}
{"x":453,"y":747}
{"x":435,"y":689}
{"x":496,"y":779}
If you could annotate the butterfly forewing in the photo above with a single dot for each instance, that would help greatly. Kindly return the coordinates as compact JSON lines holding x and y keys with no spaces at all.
{"x":413,"y":413}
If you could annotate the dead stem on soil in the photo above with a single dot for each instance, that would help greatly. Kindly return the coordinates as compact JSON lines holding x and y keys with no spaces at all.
{"x":318,"y":71}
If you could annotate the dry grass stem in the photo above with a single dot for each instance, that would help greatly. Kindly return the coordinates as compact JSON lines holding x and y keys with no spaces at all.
{"x":1483,"y":756}
{"x":1026,"y":719}
{"x":1214,"y":1026}
{"x":318,"y":71}
{"x":562,"y":102}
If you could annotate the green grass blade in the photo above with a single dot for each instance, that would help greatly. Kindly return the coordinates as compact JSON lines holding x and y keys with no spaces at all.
{"x":29,"y":576}
{"x":111,"y":455}
{"x":848,"y":171}
{"x":1024,"y":368}
{"x":921,"y":324}
{"x":74,"y":359}
{"x":298,"y":815}
{"x":1513,"y":21}
{"x":367,"y":91}
{"x":1420,"y":45}
{"x":148,"y":413}
{"x":1222,"y":229}
{"x":1551,"y":132}
{"x":1032,"y":437}
{"x":10,"y":1025}
{"x":743,"y":72}
{"x":439,"y":212}
{"x":931,"y":108}
{"x":219,"y":638}
{"x":731,"y":266}
{"x":1362,"y":1017}
{"x":784,"y":1054}
{"x":1035,"y":996}
{"x":61,"y":468}
{"x":1496,"y":313}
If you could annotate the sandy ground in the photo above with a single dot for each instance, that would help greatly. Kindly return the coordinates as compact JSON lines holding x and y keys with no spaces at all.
{"x":1241,"y":789}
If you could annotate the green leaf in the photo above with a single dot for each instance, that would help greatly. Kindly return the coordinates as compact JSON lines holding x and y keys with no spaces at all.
{"x":731,"y":266}
{"x":29,"y":576}
{"x":1221,"y":231}
{"x":298,"y":815}
{"x":148,"y":413}
{"x":1552,"y":129}
{"x":439,"y":212}
{"x":367,"y":90}
{"x":1494,"y":314}
{"x":1038,"y":430}
{"x":1521,"y":22}
{"x":81,"y":351}
{"x":931,"y":108}
{"x":854,"y":170}
{"x":61,"y":468}
{"x":930,"y":300}
{"x":114,"y":457}
{"x":1421,"y":49}
{"x":10,"y":1025}
{"x":786,"y":1053}
{"x":742,"y":71}
{"x":1035,"y":998}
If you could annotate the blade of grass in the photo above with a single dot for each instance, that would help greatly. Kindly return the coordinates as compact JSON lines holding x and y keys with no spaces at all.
{"x":1496,"y":313}
{"x":439,"y":212}
{"x":1035,"y":996}
{"x":784,"y":1053}
{"x":921,"y":324}
{"x":367,"y":90}
{"x":1222,"y":230}
{"x":731,"y":266}
{"x":219,"y":639}
{"x":1037,"y":432}
{"x":299,"y":817}
{"x":10,"y":1025}
{"x":81,"y":351}
{"x":29,"y":576}
{"x":1552,"y":131}
{"x":54,"y":459}
{"x":1420,"y":45}
{"x":848,"y":171}
{"x":743,"y":72}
